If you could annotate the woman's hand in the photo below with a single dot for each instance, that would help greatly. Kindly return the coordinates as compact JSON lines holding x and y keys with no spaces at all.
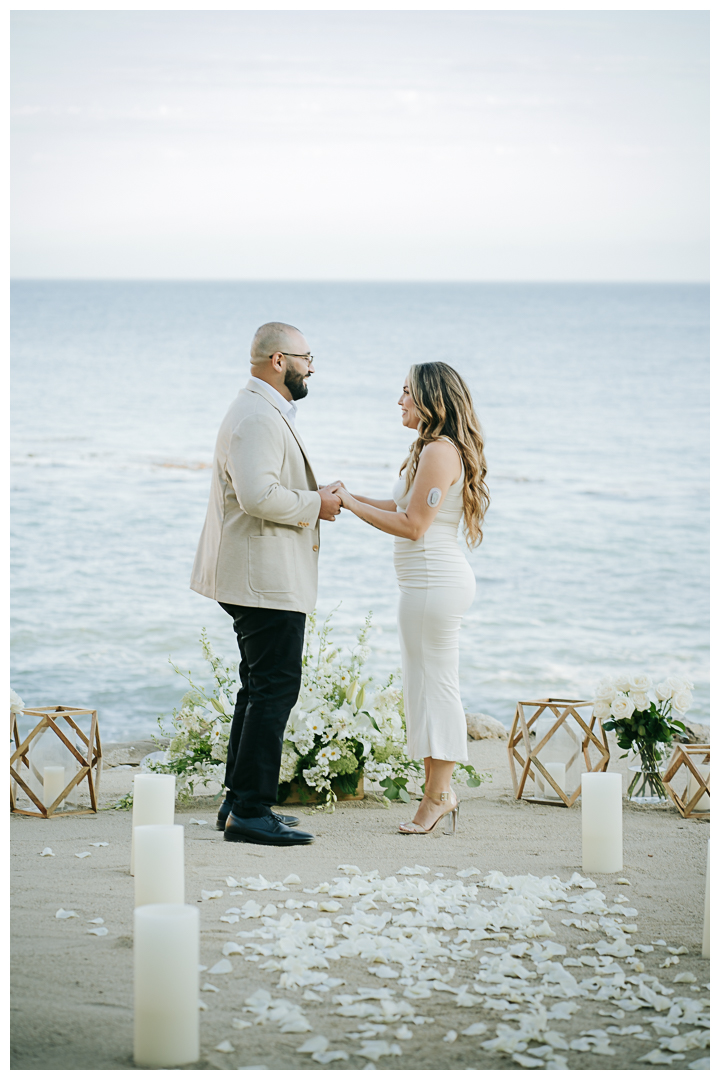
{"x":345,"y":497}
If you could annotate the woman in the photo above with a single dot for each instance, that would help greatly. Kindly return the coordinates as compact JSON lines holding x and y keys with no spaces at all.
{"x":441,"y":482}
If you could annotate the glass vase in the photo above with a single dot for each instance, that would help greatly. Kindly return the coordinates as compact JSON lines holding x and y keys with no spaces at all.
{"x":646,"y":785}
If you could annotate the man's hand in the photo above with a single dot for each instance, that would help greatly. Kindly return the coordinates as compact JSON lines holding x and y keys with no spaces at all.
{"x":329,"y":502}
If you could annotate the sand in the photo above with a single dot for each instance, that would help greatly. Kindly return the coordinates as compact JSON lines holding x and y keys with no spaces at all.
{"x":72,"y":992}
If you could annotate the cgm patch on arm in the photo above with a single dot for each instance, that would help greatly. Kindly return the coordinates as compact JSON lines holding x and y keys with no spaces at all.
{"x":434,"y":496}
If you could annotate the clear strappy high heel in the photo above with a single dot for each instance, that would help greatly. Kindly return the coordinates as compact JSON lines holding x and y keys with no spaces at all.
{"x":411,"y":828}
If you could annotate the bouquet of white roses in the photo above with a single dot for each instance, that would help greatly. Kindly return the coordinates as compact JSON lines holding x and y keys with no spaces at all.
{"x":339,"y":730}
{"x":643,"y":717}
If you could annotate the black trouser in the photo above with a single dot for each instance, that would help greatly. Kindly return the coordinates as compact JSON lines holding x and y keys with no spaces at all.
{"x":271,"y":648}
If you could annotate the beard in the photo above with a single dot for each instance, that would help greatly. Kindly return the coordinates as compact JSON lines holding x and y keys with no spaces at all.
{"x":295,"y":384}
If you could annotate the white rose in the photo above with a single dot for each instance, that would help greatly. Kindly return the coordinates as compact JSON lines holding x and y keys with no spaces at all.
{"x":17,"y":704}
{"x":681,"y":701}
{"x":677,"y":682}
{"x":639,"y":684}
{"x":605,"y":690}
{"x":622,"y":684}
{"x":640,"y":700}
{"x":622,"y":707}
{"x":663,"y":690}
{"x":602,"y":710}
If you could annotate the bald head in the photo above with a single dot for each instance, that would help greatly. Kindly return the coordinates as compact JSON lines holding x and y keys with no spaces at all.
{"x":275,"y":337}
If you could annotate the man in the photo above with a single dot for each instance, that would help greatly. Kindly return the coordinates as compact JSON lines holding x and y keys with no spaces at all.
{"x":258,"y":556}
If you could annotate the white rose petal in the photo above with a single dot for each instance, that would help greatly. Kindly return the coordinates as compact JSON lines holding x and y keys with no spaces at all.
{"x":225,"y":1047}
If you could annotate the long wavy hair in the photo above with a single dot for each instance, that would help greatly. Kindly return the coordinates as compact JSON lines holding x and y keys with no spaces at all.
{"x":445,"y":407}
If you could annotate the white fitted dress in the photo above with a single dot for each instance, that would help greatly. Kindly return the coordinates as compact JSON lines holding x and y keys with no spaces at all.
{"x":437,"y":586}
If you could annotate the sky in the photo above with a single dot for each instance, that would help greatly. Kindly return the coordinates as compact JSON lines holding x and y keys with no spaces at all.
{"x":360,"y":145}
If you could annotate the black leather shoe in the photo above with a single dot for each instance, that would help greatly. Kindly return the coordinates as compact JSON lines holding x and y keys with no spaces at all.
{"x":263,"y":830}
{"x":226,"y":807}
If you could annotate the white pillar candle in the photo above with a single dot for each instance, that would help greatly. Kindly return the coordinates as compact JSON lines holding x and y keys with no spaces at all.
{"x":159,"y":864}
{"x":153,"y":804}
{"x":703,"y":803}
{"x":167,"y":958}
{"x":53,"y":784}
{"x":602,"y":847}
{"x":706,"y":919}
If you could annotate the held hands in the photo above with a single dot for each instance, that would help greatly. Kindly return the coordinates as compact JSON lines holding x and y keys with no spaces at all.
{"x":330,"y":501}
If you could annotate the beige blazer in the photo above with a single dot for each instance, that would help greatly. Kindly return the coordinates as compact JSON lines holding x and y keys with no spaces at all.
{"x":260,"y":541}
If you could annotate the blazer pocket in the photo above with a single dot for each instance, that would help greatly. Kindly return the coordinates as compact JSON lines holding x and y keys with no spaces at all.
{"x":271,"y":564}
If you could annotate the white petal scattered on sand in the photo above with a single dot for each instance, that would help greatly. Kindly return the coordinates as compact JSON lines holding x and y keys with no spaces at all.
{"x":62,"y":914}
{"x":209,"y":986}
{"x":669,"y":961}
{"x":98,"y":922}
{"x":622,"y":881}
{"x":232,"y":883}
{"x":472,"y":871}
{"x":414,"y":871}
{"x":100,"y":843}
{"x":197,"y":821}
{"x":225,"y":1047}
{"x":377,"y":1049}
{"x":403,"y":1032}
{"x":211,"y":894}
{"x":329,"y":905}
{"x":317,"y":1045}
{"x":82,"y":854}
{"x":660,"y":942}
{"x":657,"y":1057}
{"x":240,"y":1024}
{"x":232,"y":911}
{"x":292,"y":879}
{"x":223,"y":967}
{"x":700,"y":1063}
{"x":202,"y":1006}
{"x":324,"y":1057}
{"x":528,"y":1062}
{"x":310,"y":995}
{"x":230,"y":918}
{"x":47,"y":851}
{"x":98,"y":931}
{"x":682,"y":951}
{"x":296,"y":1026}
{"x":475,"y":1029}
{"x":685,"y":977}
{"x":383,"y":972}
{"x":230,"y":948}
{"x":450,"y":1037}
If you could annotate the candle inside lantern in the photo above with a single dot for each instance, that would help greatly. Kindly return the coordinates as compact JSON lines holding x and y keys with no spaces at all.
{"x":706,"y":919}
{"x":556,"y":769}
{"x":703,"y":803}
{"x":53,"y":783}
{"x":602,"y":846}
{"x":167,"y":957}
{"x":153,"y":804}
{"x":159,"y":864}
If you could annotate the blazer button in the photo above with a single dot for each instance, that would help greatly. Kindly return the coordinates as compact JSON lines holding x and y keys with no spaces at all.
{"x":316,"y":547}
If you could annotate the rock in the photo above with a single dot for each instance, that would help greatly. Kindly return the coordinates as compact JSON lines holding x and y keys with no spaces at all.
{"x":695,"y":733}
{"x":482,"y":726}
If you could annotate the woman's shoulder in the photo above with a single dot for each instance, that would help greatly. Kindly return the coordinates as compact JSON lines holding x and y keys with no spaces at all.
{"x":441,"y":449}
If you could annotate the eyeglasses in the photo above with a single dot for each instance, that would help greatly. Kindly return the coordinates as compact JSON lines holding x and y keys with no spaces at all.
{"x":300,"y":356}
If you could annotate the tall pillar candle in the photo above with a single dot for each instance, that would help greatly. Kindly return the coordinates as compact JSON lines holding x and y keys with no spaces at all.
{"x":53,"y":783}
{"x":159,"y":864}
{"x":706,"y":918}
{"x":167,"y":958}
{"x":602,"y":846}
{"x":153,"y":804}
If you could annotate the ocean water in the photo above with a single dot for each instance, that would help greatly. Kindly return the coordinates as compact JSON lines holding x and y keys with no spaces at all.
{"x":594,"y":402}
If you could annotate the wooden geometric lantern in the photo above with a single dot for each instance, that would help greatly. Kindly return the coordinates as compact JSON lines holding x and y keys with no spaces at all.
{"x":553,"y":747}
{"x":54,"y":759}
{"x":687,"y":780}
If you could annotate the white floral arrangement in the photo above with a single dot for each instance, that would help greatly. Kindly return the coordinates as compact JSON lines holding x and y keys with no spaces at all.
{"x":17,"y":705}
{"x":644,"y":717}
{"x":340,"y":729}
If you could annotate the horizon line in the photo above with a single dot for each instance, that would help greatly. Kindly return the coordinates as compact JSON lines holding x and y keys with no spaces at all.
{"x":358,"y":281}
